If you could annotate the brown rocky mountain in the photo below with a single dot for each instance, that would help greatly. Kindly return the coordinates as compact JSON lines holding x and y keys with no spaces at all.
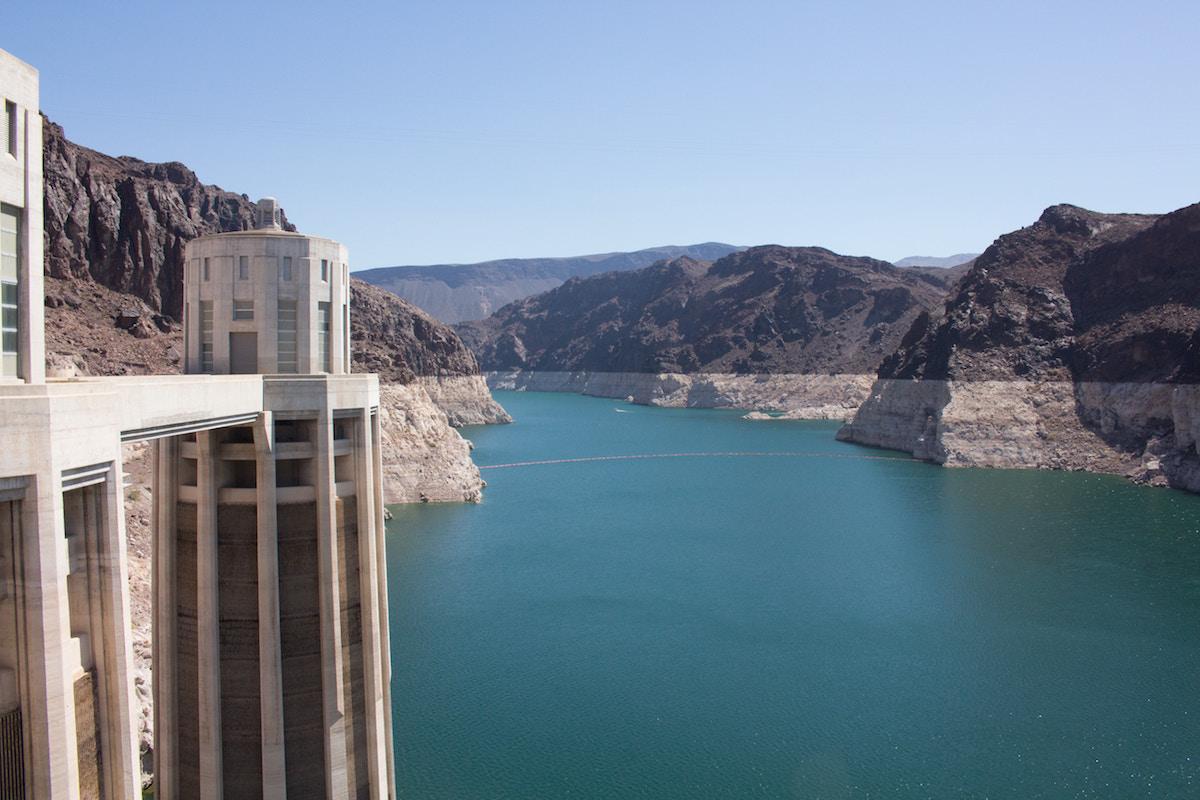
{"x":1011,"y":316}
{"x":399,"y":341}
{"x":122,"y":223}
{"x":764,"y":310}
{"x":1073,"y":343}
{"x":461,"y":292}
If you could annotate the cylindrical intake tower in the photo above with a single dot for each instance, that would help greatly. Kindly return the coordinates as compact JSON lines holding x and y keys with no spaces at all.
{"x":266,"y":301}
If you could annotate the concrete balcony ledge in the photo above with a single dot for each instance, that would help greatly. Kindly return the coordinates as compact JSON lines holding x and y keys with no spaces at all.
{"x":293,"y":450}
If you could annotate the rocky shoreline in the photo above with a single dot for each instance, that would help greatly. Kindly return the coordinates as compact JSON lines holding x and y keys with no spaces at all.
{"x":798,"y":396}
{"x":1144,"y":431}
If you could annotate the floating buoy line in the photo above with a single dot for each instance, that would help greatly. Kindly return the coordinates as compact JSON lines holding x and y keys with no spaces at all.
{"x":711,"y":454}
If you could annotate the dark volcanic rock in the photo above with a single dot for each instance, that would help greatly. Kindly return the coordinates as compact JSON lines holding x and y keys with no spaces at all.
{"x":1010,"y":316}
{"x":115,"y":230}
{"x":768,"y":309}
{"x":1136,"y":304}
{"x":123,"y":222}
{"x":399,"y":341}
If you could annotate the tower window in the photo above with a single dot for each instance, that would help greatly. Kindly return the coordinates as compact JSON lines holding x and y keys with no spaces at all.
{"x":286,"y":337}
{"x":243,"y":268}
{"x":287,"y":268}
{"x":206,"y":335}
{"x":324,"y":328}
{"x":10,"y":260}
{"x":324,"y":269}
{"x":206,"y":269}
{"x":10,"y":127}
{"x":243,"y":309}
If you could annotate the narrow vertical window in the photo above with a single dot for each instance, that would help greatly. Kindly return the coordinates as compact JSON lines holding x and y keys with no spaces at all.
{"x":243,"y":268}
{"x":10,"y":128}
{"x":324,"y":326}
{"x":324,"y":269}
{"x":10,"y":276}
{"x":206,"y":335}
{"x":206,"y":269}
{"x":286,"y":341}
{"x":287,"y":268}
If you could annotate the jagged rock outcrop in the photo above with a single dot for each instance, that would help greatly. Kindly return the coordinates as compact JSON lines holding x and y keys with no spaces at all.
{"x":763,"y":310}
{"x":458,"y":292}
{"x":1071,"y":344}
{"x":784,"y":312}
{"x":122,"y":222}
{"x":403,"y":344}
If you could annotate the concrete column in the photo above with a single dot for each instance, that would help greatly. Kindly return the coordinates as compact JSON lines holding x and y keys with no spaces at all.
{"x":381,"y":591}
{"x":165,"y":495}
{"x":270,"y":658}
{"x":374,"y":637}
{"x":108,"y":578}
{"x":32,"y":334}
{"x":331,"y":624}
{"x":208,"y":636}
{"x":53,"y":756}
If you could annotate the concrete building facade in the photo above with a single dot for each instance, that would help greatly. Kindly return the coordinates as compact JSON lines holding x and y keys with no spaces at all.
{"x":271,"y":661}
{"x":266,"y":301}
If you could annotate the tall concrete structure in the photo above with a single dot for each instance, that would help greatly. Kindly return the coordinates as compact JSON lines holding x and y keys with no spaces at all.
{"x":267,"y":301}
{"x":271,"y":665}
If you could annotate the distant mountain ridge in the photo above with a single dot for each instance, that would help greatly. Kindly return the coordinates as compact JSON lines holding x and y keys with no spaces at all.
{"x":767,"y":309}
{"x":936,"y":261}
{"x":461,"y":292}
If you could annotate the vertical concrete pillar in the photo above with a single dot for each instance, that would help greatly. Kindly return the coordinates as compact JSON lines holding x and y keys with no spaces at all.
{"x":333,"y":689}
{"x":53,"y":757}
{"x":108,"y":577}
{"x":270,"y":658}
{"x":373,"y":636}
{"x":31,"y":286}
{"x":166,"y":499}
{"x":208,"y":636}
{"x":381,"y":592}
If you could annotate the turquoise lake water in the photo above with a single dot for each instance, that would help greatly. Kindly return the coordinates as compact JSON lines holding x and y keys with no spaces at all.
{"x":838,"y":623}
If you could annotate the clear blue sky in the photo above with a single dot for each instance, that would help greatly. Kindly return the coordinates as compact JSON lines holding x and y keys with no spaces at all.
{"x":421,"y":132}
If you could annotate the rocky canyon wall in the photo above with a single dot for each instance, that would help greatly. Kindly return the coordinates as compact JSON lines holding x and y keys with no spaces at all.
{"x":1071,"y":344}
{"x":798,"y":396}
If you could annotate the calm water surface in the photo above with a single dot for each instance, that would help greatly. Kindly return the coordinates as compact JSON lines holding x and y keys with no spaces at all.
{"x":817,"y":625}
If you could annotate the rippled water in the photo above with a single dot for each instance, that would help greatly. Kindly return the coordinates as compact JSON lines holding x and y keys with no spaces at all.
{"x":827,"y":623}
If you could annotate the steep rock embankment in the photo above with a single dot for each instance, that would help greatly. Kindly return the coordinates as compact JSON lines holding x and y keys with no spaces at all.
{"x":833,"y":396}
{"x":1071,"y":344}
{"x":792,"y":329}
{"x":404,"y":345}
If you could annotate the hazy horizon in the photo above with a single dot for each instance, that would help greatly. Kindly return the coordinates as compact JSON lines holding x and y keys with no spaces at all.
{"x":466,"y":132}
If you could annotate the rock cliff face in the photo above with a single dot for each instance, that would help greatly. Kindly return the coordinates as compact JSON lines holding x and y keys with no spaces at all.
{"x":753,"y":330}
{"x":763,"y":310}
{"x":404,"y":345}
{"x":458,"y":292}
{"x":123,"y":223}
{"x":1071,"y":344}
{"x":834,"y":396}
